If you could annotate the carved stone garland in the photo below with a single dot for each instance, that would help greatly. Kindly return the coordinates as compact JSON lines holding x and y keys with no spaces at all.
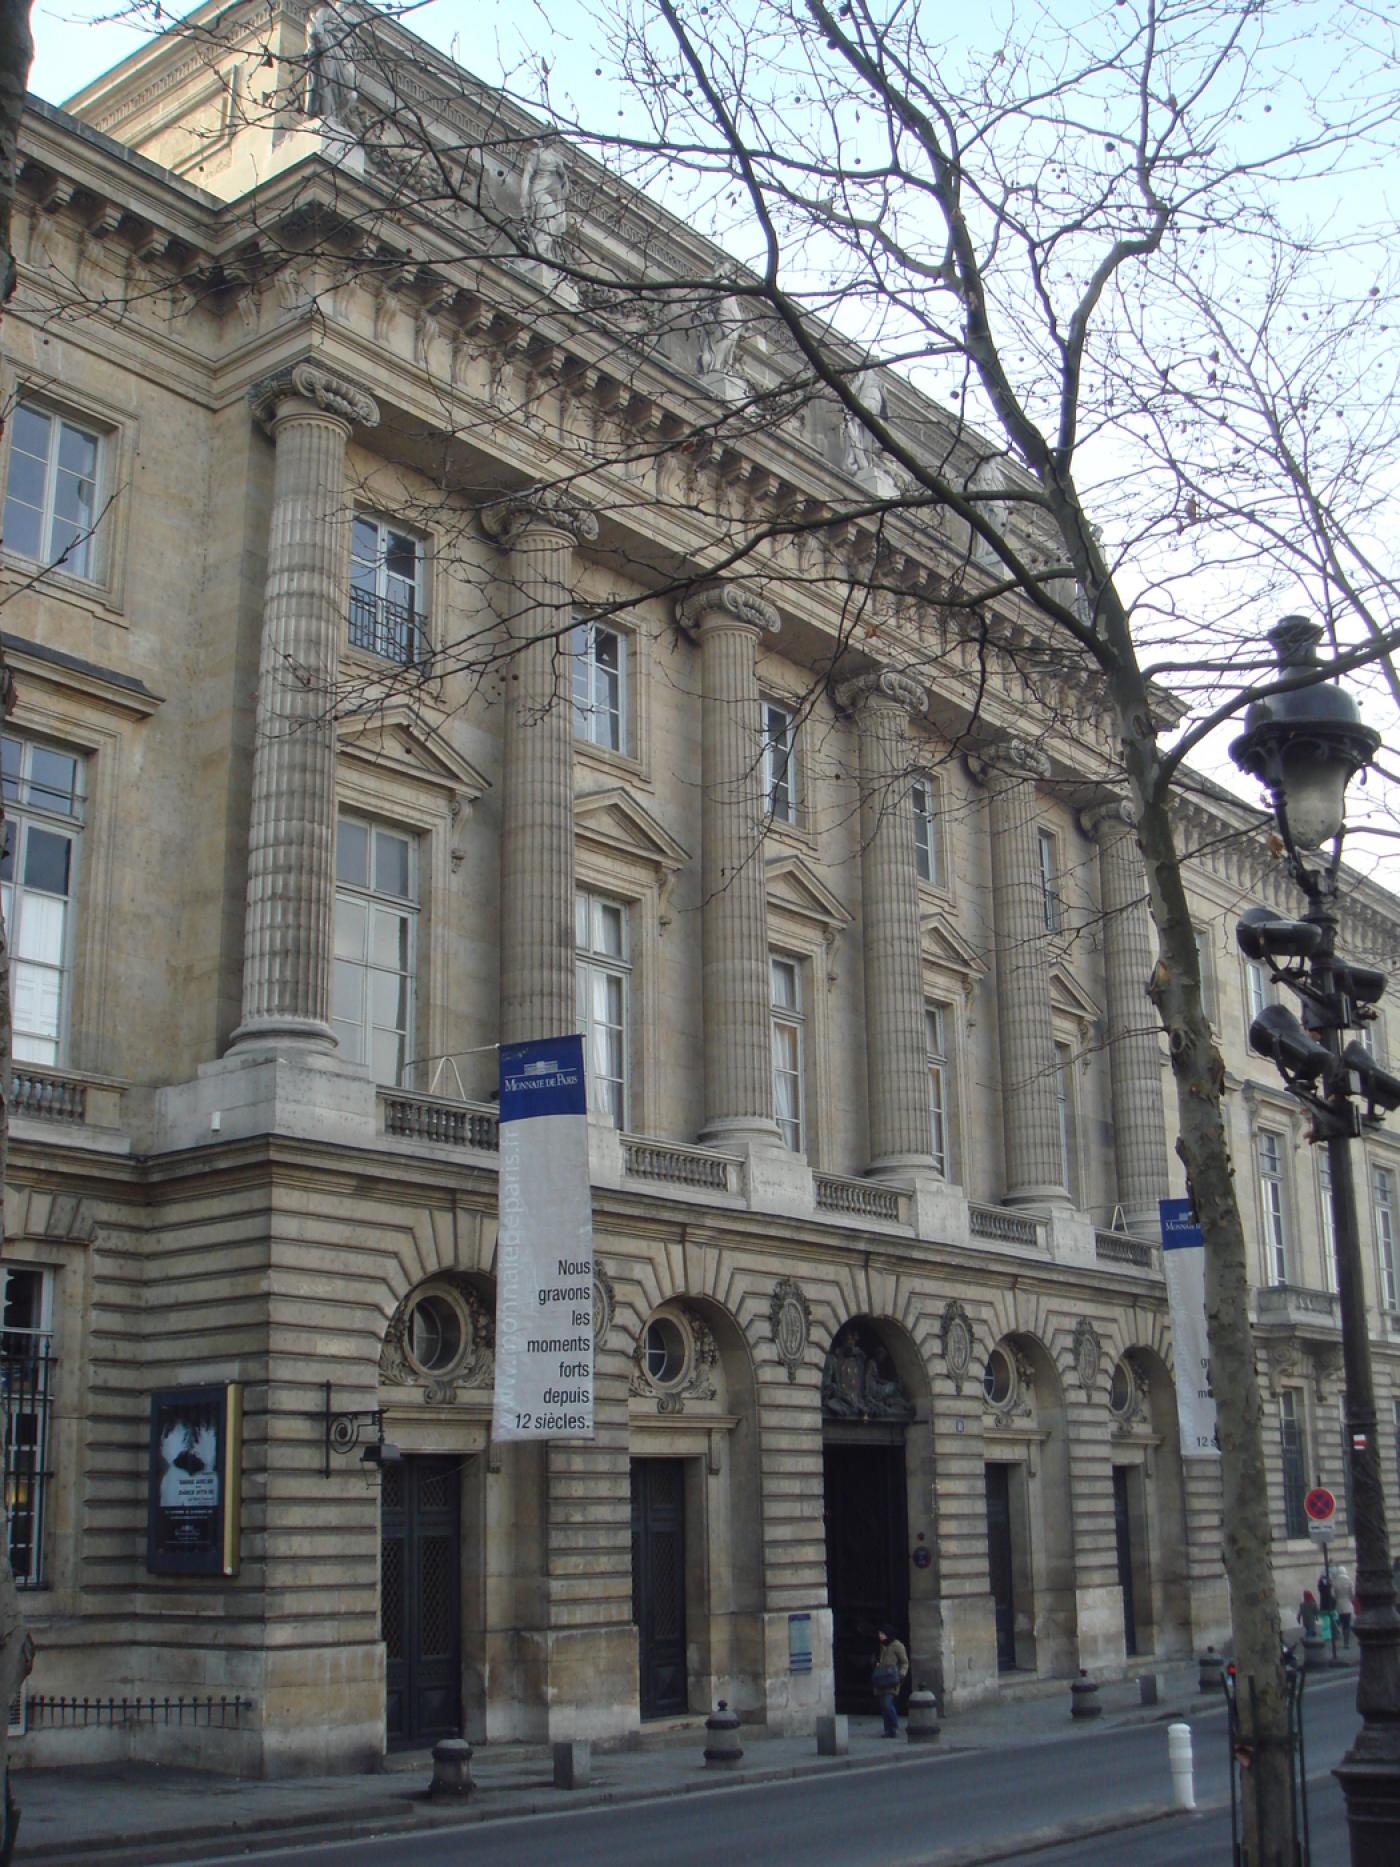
{"x":1088,"y":1354}
{"x":475,"y":1366}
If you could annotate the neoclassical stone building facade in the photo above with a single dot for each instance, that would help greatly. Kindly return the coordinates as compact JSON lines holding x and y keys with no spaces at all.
{"x":386,"y":691}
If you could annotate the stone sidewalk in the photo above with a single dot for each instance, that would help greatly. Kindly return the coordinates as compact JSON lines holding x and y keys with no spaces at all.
{"x":146,"y":1813}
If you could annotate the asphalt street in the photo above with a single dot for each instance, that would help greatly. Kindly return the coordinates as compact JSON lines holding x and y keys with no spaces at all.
{"x":973,"y":1807}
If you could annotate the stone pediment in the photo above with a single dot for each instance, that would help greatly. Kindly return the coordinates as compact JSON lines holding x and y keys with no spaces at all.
{"x":944,"y":946}
{"x":795,"y":888}
{"x":1070,"y":999}
{"x":614,"y":821}
{"x":393,"y":740}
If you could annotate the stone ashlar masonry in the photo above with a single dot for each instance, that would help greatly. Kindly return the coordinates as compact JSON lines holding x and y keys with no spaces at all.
{"x":216,"y":1194}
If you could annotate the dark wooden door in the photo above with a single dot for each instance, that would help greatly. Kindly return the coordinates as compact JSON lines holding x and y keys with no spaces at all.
{"x":867,"y":1560}
{"x":658,"y":1583}
{"x":421,"y":1599}
{"x":1001,"y":1563}
{"x":1122,"y":1527}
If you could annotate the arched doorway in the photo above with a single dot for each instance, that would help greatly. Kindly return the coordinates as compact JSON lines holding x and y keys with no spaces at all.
{"x":867,"y":1408}
{"x":1149,"y":1506}
{"x":1030,"y":1532}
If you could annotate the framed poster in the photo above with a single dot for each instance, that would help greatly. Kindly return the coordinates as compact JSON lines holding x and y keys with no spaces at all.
{"x":193,"y":1482}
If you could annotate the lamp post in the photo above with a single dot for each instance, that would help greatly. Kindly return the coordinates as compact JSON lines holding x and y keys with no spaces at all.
{"x":1305,"y":743}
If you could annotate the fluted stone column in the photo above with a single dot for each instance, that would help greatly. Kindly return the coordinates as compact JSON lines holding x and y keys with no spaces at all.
{"x":291,"y":842}
{"x":1134,"y":1046}
{"x":540,"y":530}
{"x":1030,"y":1112}
{"x":896,"y":1062}
{"x":729,"y":621}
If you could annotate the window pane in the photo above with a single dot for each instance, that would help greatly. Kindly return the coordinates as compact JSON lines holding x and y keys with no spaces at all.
{"x":347,"y":1002}
{"x":24,"y":1299}
{"x":391,"y":865}
{"x":364,"y":547}
{"x":35,"y":1049}
{"x":53,"y":780}
{"x":37,"y":999}
{"x":24,"y":529}
{"x":390,"y":940}
{"x":610,"y":929}
{"x":401,"y":557}
{"x":388,"y":1059}
{"x":77,"y":451}
{"x":389,"y":1000}
{"x":47,"y":857}
{"x":352,"y":853}
{"x":26,"y":482}
{"x":30,"y":430}
{"x":11,"y":753}
{"x":10,"y":835}
{"x":351,"y":926}
{"x":350,"y":1037}
{"x":39,"y":936}
{"x":784,"y":984}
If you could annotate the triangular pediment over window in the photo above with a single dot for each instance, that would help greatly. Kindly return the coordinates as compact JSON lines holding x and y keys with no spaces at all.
{"x":614,"y":821}
{"x":795,"y":889}
{"x":394,"y":740}
{"x":945,"y":949}
{"x":1069,"y":1000}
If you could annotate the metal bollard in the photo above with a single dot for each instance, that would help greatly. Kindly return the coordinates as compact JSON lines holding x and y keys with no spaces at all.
{"x":1212,"y":1668}
{"x":452,"y":1768}
{"x":722,"y":1746}
{"x":1084,"y":1698}
{"x":1182,"y":1769}
{"x":922,"y":1725}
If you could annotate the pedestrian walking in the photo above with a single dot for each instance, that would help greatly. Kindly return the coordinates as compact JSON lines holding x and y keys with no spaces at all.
{"x":1345,"y":1592}
{"x":887,"y":1676}
{"x":1308,"y":1614}
{"x":1326,"y":1600}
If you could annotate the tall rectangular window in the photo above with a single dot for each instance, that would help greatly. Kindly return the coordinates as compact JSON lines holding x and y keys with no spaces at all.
{"x":1293,"y":1447}
{"x":779,"y":762}
{"x":1049,"y":879}
{"x":386,"y":591}
{"x":1273,"y":1205}
{"x":376,"y":929}
{"x":38,"y":872}
{"x":1329,"y":1227}
{"x":787,"y":1019}
{"x":1258,"y":991}
{"x":1064,"y":1104}
{"x":928,"y":853}
{"x":601,"y":973}
{"x":51,"y":497}
{"x":26,"y":1368}
{"x":600,"y":667}
{"x":936,"y":1046}
{"x":1383,"y":1197}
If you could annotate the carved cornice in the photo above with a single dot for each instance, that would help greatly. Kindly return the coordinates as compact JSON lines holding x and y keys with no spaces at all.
{"x":890,"y":685}
{"x":539,"y":508}
{"x":308,"y":382}
{"x":726,"y":604}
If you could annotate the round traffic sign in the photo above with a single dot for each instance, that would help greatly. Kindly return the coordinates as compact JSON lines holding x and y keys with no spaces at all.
{"x":1319,"y":1504}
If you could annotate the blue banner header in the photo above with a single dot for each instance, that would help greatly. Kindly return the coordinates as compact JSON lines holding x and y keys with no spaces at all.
{"x":1179,"y":1227}
{"x":543,"y":1077}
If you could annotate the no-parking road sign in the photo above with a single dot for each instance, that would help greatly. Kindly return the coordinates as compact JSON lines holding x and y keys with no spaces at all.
{"x":1319,"y":1504}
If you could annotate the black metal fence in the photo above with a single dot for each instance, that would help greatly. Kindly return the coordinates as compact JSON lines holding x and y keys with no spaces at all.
{"x":386,"y":628}
{"x":26,"y":1383}
{"x":42,"y":1712}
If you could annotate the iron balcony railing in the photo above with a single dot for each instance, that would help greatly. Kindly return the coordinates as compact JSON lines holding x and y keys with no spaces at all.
{"x":383,"y":627}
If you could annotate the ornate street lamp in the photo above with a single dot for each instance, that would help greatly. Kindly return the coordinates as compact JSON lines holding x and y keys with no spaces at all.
{"x":1305,"y":743}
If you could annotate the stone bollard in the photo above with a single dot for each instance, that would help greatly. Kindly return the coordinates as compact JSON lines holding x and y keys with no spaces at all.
{"x":1084,"y":1698}
{"x":1149,"y":1688}
{"x":573,"y":1765}
{"x":722,"y":1746}
{"x":834,"y":1735}
{"x":1180,"y":1763}
{"x":452,"y":1768}
{"x":1212,"y":1669}
{"x":923,"y":1725}
{"x":1314,"y":1653}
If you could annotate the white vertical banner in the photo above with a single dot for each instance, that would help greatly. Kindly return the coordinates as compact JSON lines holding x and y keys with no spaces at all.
{"x":1184,"y":1266}
{"x":544,"y":1254}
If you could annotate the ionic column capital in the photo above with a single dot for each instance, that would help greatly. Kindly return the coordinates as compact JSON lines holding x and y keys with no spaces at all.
{"x":539,"y":508}
{"x":731,"y":605}
{"x":1102,"y":822}
{"x":308,"y":382}
{"x":889,"y":686}
{"x":1008,"y":758}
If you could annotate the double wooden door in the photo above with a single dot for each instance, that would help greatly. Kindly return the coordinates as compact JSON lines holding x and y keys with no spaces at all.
{"x":421,"y":1599}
